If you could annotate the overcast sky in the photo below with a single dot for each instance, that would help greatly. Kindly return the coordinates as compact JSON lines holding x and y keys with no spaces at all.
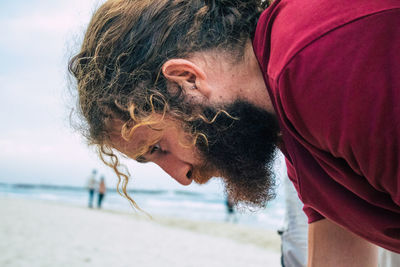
{"x":37,"y":144}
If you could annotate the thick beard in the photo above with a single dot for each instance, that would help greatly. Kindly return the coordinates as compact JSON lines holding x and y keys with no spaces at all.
{"x":241,"y":150}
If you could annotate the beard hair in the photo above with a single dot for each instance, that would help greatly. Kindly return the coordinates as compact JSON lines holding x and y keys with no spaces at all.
{"x":241,"y":150}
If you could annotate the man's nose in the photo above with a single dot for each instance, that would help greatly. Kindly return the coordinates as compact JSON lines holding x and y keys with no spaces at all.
{"x":179,"y":170}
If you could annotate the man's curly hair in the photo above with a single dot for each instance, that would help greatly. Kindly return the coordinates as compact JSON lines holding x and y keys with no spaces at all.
{"x":118,"y":69}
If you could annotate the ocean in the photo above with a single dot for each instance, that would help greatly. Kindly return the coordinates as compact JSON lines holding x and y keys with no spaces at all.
{"x":200,"y":206}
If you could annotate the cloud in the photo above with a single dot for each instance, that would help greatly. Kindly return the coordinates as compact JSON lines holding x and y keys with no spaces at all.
{"x":43,"y":26}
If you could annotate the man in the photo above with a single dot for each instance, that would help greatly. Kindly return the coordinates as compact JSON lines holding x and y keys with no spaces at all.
{"x":211,"y":88}
{"x":230,"y":211}
{"x":91,"y":186}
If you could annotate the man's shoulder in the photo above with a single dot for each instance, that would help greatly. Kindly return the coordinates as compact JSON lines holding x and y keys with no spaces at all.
{"x":292,"y":25}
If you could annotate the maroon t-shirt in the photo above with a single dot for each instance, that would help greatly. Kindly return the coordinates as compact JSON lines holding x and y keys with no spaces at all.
{"x":332,"y":69}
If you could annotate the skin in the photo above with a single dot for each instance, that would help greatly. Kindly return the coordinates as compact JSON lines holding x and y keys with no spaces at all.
{"x":210,"y":78}
{"x":218,"y":81}
{"x":176,"y":159}
{"x":330,"y":245}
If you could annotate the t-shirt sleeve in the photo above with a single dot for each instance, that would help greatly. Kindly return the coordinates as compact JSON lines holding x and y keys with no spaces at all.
{"x":342,"y":95}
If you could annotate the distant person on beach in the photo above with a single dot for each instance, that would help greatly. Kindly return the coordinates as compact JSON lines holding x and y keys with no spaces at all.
{"x":91,"y":186}
{"x":101,"y":192}
{"x":230,"y":210}
{"x":213,"y":88}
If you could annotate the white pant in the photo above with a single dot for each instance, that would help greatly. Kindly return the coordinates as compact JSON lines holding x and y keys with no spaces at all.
{"x":294,"y":236}
{"x":388,"y":258}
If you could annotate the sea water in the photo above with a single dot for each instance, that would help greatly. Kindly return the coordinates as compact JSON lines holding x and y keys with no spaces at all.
{"x":208,"y":206}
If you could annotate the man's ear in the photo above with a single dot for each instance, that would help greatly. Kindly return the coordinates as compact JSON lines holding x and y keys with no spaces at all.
{"x":189,"y":76}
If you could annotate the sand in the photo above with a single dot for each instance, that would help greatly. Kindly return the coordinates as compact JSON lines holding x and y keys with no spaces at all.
{"x":38,"y":233}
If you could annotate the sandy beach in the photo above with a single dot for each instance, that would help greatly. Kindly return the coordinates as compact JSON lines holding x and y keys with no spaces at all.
{"x":38,"y":233}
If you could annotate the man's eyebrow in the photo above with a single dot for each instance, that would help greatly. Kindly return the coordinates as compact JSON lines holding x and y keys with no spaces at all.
{"x":141,"y":159}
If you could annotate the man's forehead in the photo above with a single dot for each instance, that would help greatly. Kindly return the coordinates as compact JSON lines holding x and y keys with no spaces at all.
{"x":141,"y":136}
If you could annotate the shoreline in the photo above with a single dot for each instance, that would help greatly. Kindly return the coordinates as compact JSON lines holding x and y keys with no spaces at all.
{"x":69,"y":235}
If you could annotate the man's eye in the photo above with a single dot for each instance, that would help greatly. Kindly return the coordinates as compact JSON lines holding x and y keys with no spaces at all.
{"x":155,"y":148}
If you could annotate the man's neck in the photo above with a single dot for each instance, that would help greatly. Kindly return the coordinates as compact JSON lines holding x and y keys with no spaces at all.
{"x":251,"y":81}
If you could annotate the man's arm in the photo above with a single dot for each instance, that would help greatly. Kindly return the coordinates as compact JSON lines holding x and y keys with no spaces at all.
{"x":330,"y":245}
